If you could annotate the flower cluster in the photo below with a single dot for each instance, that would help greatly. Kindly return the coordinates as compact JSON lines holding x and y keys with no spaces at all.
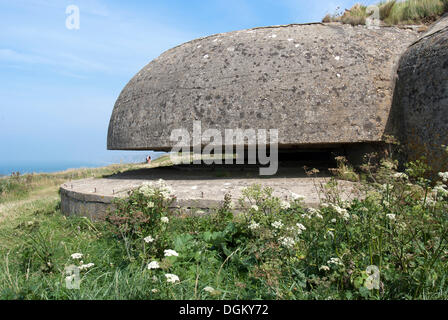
{"x":172,"y":278}
{"x":287,"y":242}
{"x":285,"y":205}
{"x":77,"y":256}
{"x":400,"y":175}
{"x":311,"y":213}
{"x":82,"y":266}
{"x":335,"y":261}
{"x":440,"y":190}
{"x":342,"y":212}
{"x":391,"y":216}
{"x":86,"y":266}
{"x":150,"y":189}
{"x":296,"y":196}
{"x":170,"y":253}
{"x":253,"y":225}
{"x":300,"y":228}
{"x":444,"y":176}
{"x":165,"y":219}
{"x":153,"y":265}
{"x":277,"y":224}
{"x":148,"y":239}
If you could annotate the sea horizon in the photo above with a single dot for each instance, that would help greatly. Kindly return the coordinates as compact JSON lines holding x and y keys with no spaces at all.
{"x":25,"y":167}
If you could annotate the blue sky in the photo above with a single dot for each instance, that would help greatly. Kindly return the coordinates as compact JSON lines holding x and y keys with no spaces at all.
{"x":58,"y":86}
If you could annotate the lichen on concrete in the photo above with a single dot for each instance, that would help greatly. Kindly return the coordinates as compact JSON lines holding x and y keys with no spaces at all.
{"x":316,"y":83}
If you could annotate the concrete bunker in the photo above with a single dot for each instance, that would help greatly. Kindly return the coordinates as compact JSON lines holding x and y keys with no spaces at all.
{"x":327,"y":88}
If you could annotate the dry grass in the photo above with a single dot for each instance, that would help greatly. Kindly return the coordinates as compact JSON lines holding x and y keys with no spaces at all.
{"x":394,"y":12}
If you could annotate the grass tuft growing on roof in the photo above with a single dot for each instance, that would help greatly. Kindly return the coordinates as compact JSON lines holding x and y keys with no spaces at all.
{"x":393,"y":12}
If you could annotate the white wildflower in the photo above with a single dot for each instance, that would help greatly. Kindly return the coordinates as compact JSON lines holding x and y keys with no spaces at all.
{"x":171,"y":253}
{"x":148,"y":239}
{"x":154,"y":290}
{"x":165,"y":220}
{"x":287,"y":242}
{"x":314,"y":212}
{"x":391,"y":216}
{"x":441,"y":190}
{"x":285,"y":205}
{"x":77,"y":256}
{"x":296,"y":196}
{"x":444,"y":176}
{"x":254,"y":225}
{"x":335,"y":261}
{"x":400,"y":175}
{"x":325,"y":268}
{"x":300,"y":228}
{"x":254,"y":207}
{"x":86,"y":266}
{"x":342,"y":212}
{"x":150,"y":204}
{"x":153,"y":265}
{"x":149,"y":189}
{"x":430,"y":202}
{"x":277,"y":224}
{"x":345,"y":215}
{"x":172,"y":278}
{"x":209,"y":289}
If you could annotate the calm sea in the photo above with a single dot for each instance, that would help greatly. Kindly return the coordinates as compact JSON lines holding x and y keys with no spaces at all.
{"x":38,"y":167}
{"x":7,"y":169}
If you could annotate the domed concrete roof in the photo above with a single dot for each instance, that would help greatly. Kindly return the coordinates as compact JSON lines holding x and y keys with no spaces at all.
{"x":317,"y":83}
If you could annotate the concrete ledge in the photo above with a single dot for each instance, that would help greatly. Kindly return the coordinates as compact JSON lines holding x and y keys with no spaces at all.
{"x":195,"y":187}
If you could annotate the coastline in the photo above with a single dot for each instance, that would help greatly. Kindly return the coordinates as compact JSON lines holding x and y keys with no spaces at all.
{"x":6,"y":169}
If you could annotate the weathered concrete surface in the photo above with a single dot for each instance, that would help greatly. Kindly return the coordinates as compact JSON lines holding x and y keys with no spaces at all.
{"x":316,"y":83}
{"x":420,"y":110}
{"x":195,"y":187}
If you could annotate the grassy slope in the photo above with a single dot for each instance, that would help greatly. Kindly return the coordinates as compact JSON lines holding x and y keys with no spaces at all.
{"x":33,"y":231}
{"x":30,"y":209}
{"x":32,"y":192}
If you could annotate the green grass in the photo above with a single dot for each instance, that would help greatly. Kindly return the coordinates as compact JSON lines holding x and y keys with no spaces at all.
{"x":272,"y":250}
{"x":394,"y":12}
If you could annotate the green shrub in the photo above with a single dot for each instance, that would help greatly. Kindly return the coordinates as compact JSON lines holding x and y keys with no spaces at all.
{"x":15,"y":186}
{"x":144,"y":215}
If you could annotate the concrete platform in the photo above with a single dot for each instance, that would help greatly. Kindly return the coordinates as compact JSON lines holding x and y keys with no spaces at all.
{"x":196,"y":187}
